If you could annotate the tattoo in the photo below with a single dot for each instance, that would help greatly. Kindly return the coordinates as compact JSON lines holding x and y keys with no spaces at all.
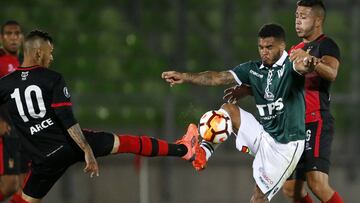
{"x":77,"y":135}
{"x":211,"y":78}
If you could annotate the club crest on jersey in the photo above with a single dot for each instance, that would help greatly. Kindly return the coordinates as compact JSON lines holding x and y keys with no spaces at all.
{"x":268,"y":94}
{"x":24,"y":75}
{"x":66,"y":92}
{"x":309,"y":49}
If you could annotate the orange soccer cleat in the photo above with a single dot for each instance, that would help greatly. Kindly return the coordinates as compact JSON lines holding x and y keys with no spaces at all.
{"x":191,"y":141}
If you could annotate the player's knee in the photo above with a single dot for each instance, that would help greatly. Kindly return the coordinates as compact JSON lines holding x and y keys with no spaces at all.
{"x":234,"y":113}
{"x":10,"y":186}
{"x":288,"y":191}
{"x":316,"y":185}
{"x":231,"y":109}
{"x":294,"y":189}
{"x":258,"y":196}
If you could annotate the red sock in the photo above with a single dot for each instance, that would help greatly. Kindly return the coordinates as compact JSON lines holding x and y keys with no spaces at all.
{"x":143,"y":145}
{"x":16,"y":198}
{"x":335,"y":198}
{"x":306,"y":199}
{"x":1,"y":197}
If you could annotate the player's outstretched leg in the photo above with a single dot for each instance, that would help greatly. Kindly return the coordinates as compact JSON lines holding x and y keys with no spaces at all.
{"x":150,"y":146}
{"x":234,"y":113}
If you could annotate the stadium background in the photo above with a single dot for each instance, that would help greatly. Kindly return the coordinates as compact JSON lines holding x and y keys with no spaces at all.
{"x":112,"y":54}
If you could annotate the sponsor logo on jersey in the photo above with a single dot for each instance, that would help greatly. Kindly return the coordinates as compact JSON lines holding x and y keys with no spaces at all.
{"x":24,"y":75}
{"x":41,"y":126}
{"x":270,"y":108}
{"x":256,"y":74}
{"x":66,"y":92}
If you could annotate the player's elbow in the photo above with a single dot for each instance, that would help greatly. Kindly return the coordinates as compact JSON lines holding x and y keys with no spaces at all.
{"x":332,"y":76}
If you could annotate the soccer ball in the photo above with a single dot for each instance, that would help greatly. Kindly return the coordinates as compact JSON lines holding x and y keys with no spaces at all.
{"x":215,"y":126}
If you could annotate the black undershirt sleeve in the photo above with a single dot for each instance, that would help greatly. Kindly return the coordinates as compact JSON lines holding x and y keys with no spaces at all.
{"x":329,"y":48}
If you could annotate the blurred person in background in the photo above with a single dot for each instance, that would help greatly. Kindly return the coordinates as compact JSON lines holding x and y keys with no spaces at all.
{"x":40,"y":107}
{"x":13,"y":163}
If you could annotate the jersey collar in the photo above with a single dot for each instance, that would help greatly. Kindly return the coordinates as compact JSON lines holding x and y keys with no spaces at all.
{"x":279,"y":62}
{"x":28,"y":68}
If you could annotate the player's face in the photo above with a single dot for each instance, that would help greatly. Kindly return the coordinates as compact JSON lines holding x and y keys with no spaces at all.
{"x":46,"y":57}
{"x":270,"y":50}
{"x":305,"y":21}
{"x":12,"y":38}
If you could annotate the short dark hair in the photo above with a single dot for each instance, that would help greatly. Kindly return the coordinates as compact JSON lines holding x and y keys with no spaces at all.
{"x":272,"y":30}
{"x":38,"y":34}
{"x":9,"y":22}
{"x":316,"y":4}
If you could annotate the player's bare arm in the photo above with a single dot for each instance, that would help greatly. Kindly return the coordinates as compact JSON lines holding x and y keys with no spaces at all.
{"x":327,"y":67}
{"x":208,"y":78}
{"x":304,"y":65}
{"x":91,"y":163}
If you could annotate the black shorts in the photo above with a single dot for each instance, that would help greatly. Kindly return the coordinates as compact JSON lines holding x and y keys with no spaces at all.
{"x":44,"y":175}
{"x":317,"y":151}
{"x":12,"y":160}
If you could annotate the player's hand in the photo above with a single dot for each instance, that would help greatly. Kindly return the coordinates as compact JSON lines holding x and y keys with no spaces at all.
{"x":306,"y":64}
{"x":173,"y":77}
{"x":235,"y":93}
{"x":200,"y":159}
{"x":91,"y":163}
{"x":298,"y":54}
{"x":4,"y":127}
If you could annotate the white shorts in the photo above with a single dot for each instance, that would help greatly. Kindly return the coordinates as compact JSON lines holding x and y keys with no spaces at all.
{"x":274,"y":162}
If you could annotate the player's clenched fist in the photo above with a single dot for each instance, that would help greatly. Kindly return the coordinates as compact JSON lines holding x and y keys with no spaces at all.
{"x":173,"y":77}
{"x":91,"y":163}
{"x":200,"y":159}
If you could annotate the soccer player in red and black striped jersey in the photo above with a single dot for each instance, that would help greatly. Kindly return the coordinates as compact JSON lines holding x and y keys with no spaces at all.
{"x":39,"y":103}
{"x":314,"y":165}
{"x":13,"y":165}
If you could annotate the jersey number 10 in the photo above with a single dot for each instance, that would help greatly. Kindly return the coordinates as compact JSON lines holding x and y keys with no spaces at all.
{"x":29,"y":102}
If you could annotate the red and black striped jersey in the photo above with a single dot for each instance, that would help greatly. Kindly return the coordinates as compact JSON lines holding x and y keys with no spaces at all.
{"x":40,"y":108}
{"x":317,"y":89}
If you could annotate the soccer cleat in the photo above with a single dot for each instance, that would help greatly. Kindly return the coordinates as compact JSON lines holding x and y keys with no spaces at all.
{"x":190,"y":140}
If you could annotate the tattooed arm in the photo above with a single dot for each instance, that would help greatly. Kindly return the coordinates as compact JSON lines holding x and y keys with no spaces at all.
{"x":91,"y":164}
{"x":208,"y":78}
